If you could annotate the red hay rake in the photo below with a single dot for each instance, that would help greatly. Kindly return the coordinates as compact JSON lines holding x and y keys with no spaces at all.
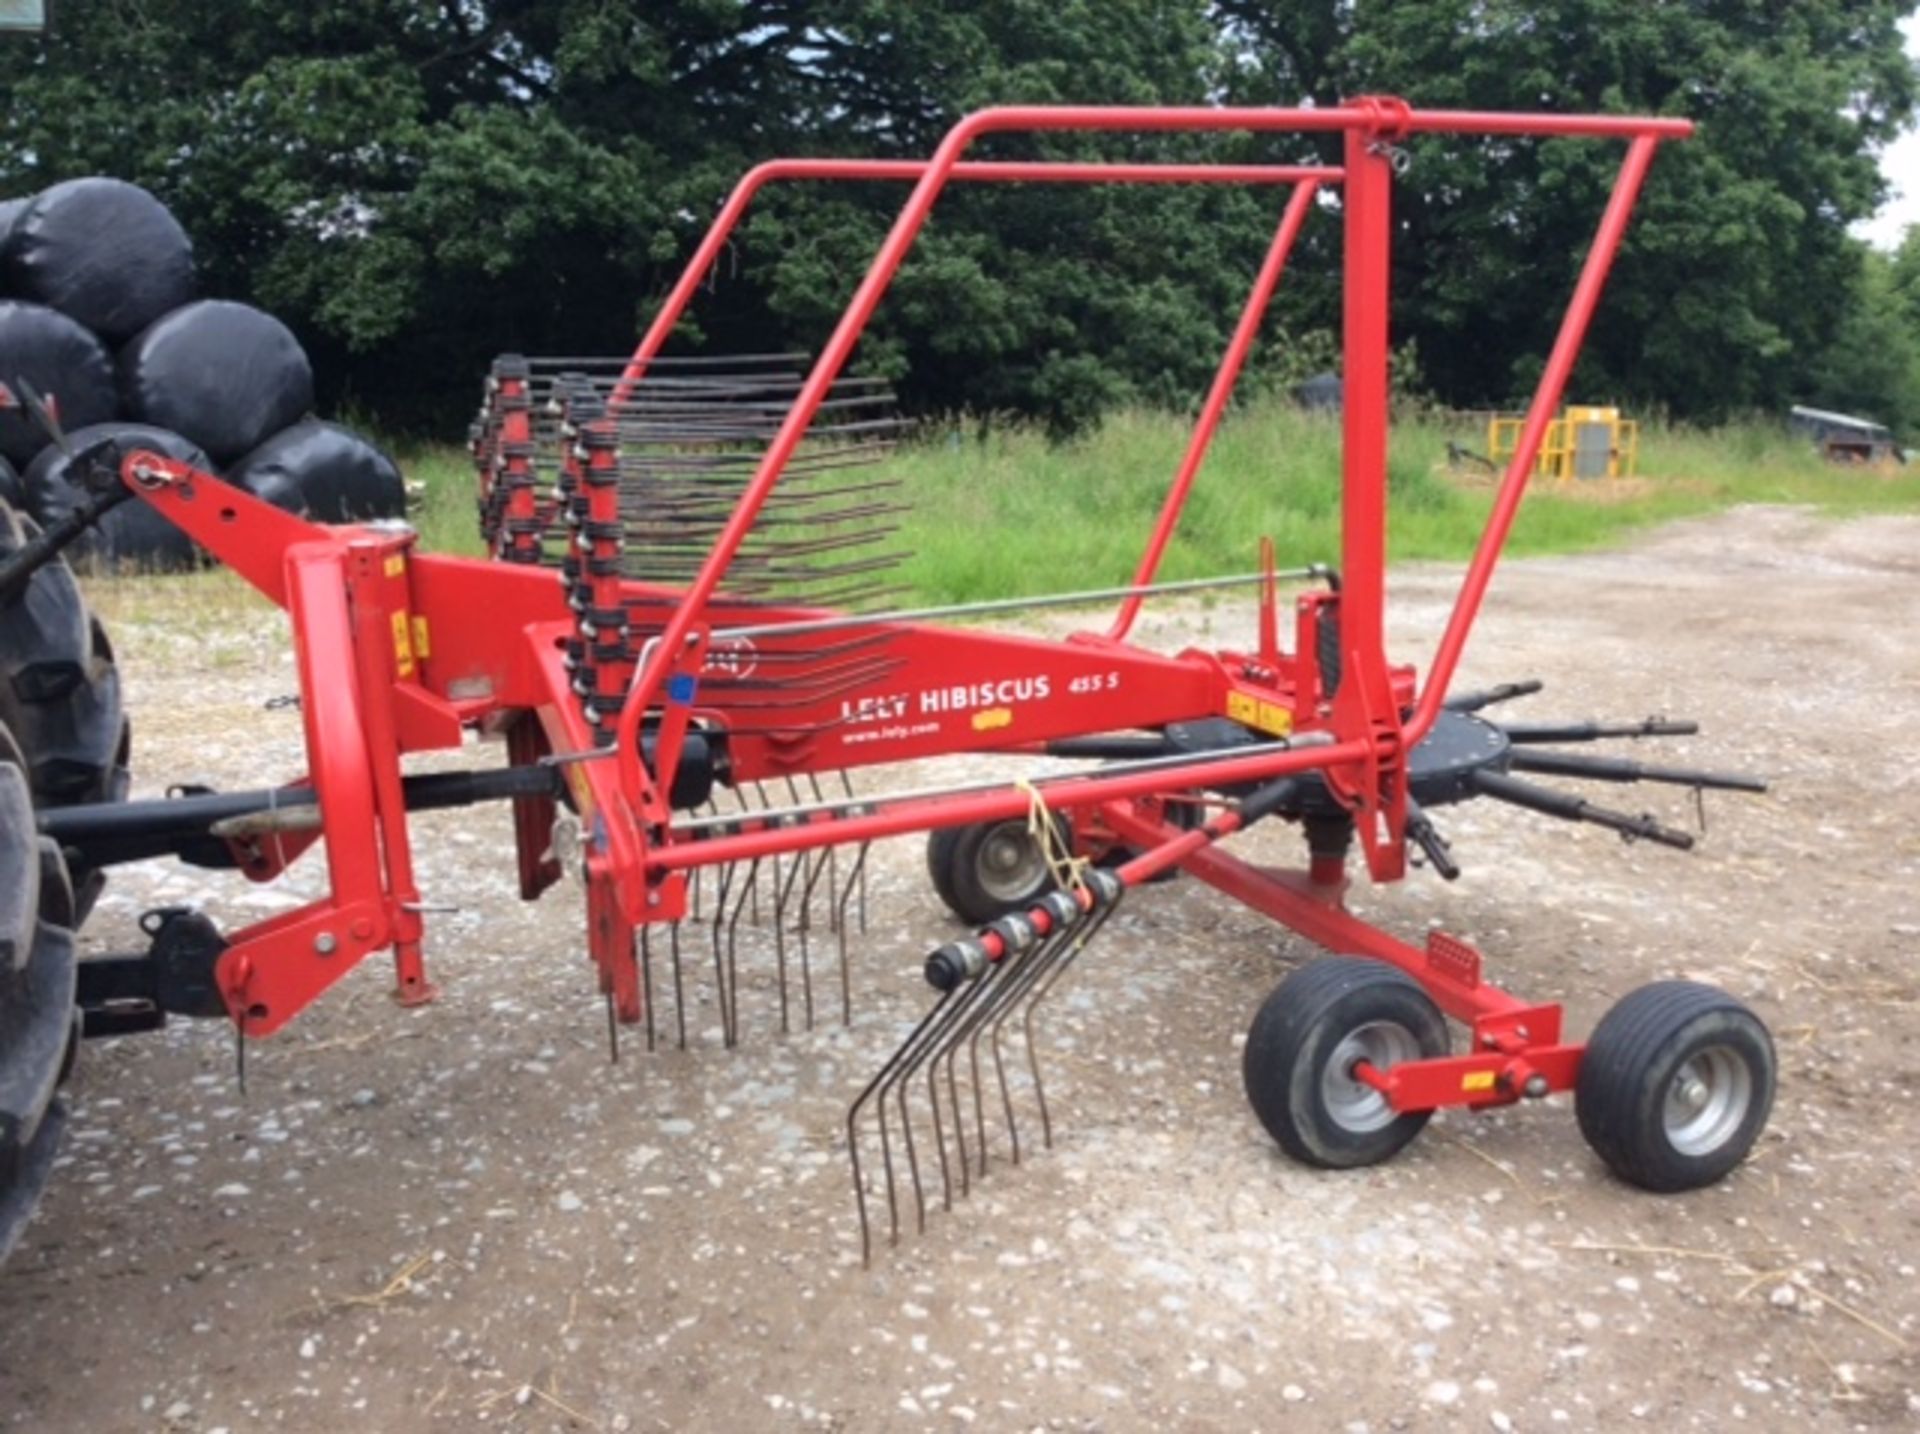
{"x":716,"y":633}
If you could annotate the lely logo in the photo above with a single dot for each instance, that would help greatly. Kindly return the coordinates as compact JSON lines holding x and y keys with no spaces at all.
{"x":732,"y":657}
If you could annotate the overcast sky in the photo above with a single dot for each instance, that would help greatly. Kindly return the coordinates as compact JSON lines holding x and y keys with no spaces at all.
{"x":1901,"y":165}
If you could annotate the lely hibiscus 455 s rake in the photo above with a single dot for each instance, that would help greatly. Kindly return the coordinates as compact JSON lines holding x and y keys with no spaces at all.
{"x":686,"y":701}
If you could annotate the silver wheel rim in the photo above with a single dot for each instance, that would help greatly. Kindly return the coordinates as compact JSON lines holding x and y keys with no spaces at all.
{"x":1352,"y":1103}
{"x":1707,"y":1100}
{"x":1010,"y":864}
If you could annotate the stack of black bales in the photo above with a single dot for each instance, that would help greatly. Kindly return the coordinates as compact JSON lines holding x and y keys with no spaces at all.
{"x":101,"y":323}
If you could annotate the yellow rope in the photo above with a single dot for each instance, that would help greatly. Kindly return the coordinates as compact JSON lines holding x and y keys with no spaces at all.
{"x":1067,"y":868}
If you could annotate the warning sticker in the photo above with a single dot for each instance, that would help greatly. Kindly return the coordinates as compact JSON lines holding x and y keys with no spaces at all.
{"x":402,"y":644}
{"x":1477,"y":1080}
{"x":1258,"y":713}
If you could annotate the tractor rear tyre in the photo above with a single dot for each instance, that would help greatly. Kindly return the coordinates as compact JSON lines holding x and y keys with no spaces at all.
{"x":60,"y":693}
{"x":1302,"y":1050}
{"x":38,"y":1026}
{"x":1675,"y":1085}
{"x":63,"y":740}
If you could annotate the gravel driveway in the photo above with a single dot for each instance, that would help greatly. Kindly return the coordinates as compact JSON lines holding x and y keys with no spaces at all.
{"x":465,"y":1215}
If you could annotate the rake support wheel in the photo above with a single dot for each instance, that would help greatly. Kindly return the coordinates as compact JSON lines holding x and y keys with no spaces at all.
{"x":987,"y":869}
{"x":1305,"y":1042}
{"x":1675,"y":1085}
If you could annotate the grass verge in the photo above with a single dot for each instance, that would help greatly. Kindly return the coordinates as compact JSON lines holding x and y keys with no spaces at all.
{"x":998,"y":510}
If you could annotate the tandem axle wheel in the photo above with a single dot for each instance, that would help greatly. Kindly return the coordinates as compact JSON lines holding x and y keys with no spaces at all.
{"x":1673,"y":1089}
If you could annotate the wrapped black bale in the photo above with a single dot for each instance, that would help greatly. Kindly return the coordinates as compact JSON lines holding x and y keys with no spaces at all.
{"x":133,"y":535}
{"x":61,"y":362}
{"x":10,"y":210}
{"x":324,"y":472}
{"x":104,"y":252}
{"x":221,"y":374}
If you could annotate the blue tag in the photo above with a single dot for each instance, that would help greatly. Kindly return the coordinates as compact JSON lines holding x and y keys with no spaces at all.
{"x":680,"y":688}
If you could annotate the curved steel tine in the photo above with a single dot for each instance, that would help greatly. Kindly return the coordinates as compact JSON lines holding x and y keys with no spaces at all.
{"x":832,"y":862}
{"x":733,"y":942}
{"x":1031,"y":969}
{"x":902,"y":1083}
{"x":853,"y":1132}
{"x":846,"y":783}
{"x":815,"y":871}
{"x":782,"y":890}
{"x":1021,"y":970}
{"x":679,"y":986}
{"x":1087,"y":931}
{"x":646,"y":978}
{"x":1045,"y":961}
{"x":804,"y":861}
{"x":746,"y":809}
{"x":760,"y":791}
{"x":693,"y":881}
{"x":846,"y":981}
{"x":722,"y":886}
{"x":1001,"y":978}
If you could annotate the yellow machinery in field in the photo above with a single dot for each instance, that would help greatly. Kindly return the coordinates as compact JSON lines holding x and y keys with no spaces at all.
{"x":1583,"y":442}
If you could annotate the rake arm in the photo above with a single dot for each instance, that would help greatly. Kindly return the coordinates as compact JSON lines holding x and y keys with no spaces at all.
{"x":1505,"y":692}
{"x":1621,"y":769}
{"x":1544,"y":800}
{"x":1530,"y":732}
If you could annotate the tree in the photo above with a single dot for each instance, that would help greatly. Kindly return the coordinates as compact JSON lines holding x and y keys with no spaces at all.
{"x":1723,"y":294}
{"x":1871,"y":365}
{"x":418,"y":184}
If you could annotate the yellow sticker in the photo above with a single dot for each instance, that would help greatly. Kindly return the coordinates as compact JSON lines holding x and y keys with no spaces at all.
{"x":1477,"y":1080}
{"x":402,"y":644}
{"x":396,"y":565}
{"x":422,"y":649}
{"x":992,"y":719}
{"x":1274,"y":718}
{"x":1251,"y":711}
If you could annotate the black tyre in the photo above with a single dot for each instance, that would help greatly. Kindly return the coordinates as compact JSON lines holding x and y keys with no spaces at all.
{"x":1675,"y":1086}
{"x":60,"y":693}
{"x":1308,"y":1036}
{"x":37,"y":987}
{"x":988,"y":869}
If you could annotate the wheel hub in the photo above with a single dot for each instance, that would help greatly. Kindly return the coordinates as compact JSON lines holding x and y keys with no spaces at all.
{"x":1011,"y":862}
{"x":1351,"y":1101}
{"x":1707,"y":1101}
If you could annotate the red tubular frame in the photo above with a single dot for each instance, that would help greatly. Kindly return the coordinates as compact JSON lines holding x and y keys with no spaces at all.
{"x":1371,"y":126}
{"x":392,"y":660}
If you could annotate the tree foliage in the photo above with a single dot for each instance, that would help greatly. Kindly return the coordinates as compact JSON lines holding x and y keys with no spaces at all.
{"x":416,"y":185}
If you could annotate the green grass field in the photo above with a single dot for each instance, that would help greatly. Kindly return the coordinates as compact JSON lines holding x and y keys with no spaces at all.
{"x":1002,"y":511}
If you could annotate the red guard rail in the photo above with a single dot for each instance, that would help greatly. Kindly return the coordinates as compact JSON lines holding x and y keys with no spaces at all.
{"x":1371,"y":127}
